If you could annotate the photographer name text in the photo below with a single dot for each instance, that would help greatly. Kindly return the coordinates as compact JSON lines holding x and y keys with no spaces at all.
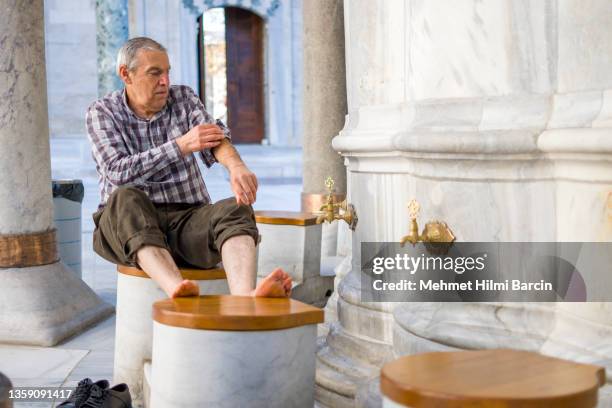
{"x":482,"y":285}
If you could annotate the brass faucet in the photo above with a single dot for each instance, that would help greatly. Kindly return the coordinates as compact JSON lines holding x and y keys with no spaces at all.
{"x":434,"y":231}
{"x":331,"y":211}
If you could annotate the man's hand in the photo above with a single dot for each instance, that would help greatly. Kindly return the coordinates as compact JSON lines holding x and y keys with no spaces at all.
{"x":243,"y":183}
{"x":199,"y":138}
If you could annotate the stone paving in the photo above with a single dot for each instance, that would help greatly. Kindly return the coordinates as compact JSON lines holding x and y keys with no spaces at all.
{"x":90,"y":354}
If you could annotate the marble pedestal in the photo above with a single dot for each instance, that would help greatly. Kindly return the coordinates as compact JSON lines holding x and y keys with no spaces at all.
{"x":233,"y":351}
{"x":43,"y":305}
{"x":292,"y":241}
{"x":134,"y":326}
{"x":207,"y":368}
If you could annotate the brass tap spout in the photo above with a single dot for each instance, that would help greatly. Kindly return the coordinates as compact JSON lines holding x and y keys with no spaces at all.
{"x":434,"y":231}
{"x":331,"y":211}
{"x":413,"y":237}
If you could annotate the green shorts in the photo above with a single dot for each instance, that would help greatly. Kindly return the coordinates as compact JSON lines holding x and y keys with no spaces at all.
{"x":193,"y":234}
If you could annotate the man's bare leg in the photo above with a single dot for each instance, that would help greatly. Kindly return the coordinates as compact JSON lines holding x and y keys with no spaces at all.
{"x":238,"y":255}
{"x":159,"y":265}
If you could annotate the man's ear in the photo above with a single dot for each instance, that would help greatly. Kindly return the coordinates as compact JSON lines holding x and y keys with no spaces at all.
{"x":124,"y":74}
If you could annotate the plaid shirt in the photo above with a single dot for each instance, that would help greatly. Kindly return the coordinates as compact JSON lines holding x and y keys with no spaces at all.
{"x":129,"y":150}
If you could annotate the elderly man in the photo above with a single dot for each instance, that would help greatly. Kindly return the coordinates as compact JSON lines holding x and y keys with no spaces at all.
{"x":155,"y":210}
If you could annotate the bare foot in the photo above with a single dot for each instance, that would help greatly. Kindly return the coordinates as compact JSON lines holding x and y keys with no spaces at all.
{"x":186,"y":288}
{"x":276,"y":284}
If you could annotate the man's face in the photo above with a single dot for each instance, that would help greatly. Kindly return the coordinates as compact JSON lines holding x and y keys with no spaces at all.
{"x":149,"y":83}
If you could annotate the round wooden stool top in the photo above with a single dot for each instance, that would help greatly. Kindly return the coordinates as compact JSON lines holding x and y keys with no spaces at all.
{"x":193,"y":274}
{"x":490,"y":378}
{"x":285,"y":218}
{"x":225,"y":312}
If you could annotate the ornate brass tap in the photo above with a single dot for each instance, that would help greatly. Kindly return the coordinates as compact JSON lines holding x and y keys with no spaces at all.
{"x":434,"y":231}
{"x":331,"y":211}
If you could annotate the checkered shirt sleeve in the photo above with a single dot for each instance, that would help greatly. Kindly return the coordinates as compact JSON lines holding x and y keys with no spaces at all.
{"x":199,"y":116}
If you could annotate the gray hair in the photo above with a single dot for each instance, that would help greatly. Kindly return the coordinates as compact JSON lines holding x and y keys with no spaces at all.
{"x":129,"y":50}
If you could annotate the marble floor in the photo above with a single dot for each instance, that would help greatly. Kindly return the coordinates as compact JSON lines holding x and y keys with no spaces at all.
{"x":90,"y":354}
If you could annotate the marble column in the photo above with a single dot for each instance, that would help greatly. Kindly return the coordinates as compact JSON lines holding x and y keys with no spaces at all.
{"x":112,"y":32}
{"x":324,"y":97}
{"x":474,"y":109}
{"x":41,"y":301}
{"x":324,"y":111}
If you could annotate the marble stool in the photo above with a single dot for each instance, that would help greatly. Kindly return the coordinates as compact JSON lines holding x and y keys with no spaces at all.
{"x":290,"y":240}
{"x":489,"y":378}
{"x":233,"y":351}
{"x":136,"y":293}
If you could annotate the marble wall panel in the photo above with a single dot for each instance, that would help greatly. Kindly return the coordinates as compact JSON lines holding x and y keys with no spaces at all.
{"x":585,"y":45}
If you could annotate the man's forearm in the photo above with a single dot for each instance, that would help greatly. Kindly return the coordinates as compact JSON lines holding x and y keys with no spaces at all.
{"x":242,"y":180}
{"x":227,"y":155}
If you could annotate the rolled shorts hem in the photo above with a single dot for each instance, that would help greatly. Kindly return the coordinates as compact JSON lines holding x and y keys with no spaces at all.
{"x":142,"y":239}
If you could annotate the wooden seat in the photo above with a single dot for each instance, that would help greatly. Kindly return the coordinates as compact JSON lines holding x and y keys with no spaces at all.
{"x":285,"y":218}
{"x":188,"y":273}
{"x":490,"y":378}
{"x":235,"y":313}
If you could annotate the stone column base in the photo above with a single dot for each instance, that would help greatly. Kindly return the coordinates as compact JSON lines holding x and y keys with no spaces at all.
{"x":43,"y":305}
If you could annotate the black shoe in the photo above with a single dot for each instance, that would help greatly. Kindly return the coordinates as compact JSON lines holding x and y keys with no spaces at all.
{"x":81,"y":393}
{"x":115,"y":397}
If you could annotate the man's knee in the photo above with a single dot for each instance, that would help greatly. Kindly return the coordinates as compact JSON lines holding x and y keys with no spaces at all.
{"x":228,"y":208}
{"x":231,"y":219}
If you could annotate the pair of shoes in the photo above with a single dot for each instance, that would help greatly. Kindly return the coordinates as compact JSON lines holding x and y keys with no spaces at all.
{"x":97,"y":395}
{"x":81,"y":393}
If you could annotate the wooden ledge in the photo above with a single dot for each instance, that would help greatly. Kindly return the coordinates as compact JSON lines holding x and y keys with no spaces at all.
{"x":240,"y":313}
{"x":285,"y":218}
{"x":490,"y":378}
{"x":193,"y":274}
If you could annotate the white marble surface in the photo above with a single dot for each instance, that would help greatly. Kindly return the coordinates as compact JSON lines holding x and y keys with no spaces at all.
{"x":585,"y":45}
{"x":134,"y":326}
{"x":196,"y":368}
{"x":296,"y":249}
{"x":26,"y":365}
{"x":98,"y":363}
{"x":399,"y":50}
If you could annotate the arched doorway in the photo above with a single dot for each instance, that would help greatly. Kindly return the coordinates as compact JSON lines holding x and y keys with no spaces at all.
{"x":231,"y":71}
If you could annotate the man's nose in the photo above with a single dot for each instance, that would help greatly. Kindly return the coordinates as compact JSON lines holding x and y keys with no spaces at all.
{"x":164,"y":79}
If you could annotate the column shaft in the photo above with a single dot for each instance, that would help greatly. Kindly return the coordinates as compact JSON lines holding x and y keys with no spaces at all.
{"x":112,"y":33}
{"x":25,"y":166}
{"x":324,"y":95}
